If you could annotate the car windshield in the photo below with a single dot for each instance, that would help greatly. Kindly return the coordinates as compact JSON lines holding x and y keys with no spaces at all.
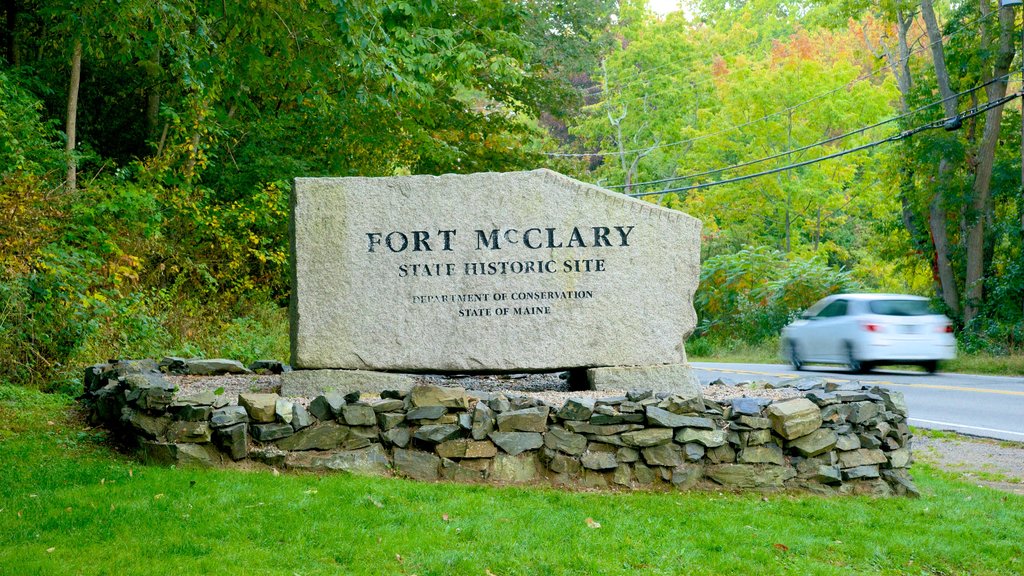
{"x":899,"y":307}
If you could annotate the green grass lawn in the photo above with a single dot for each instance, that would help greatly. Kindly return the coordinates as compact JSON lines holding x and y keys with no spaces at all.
{"x":69,"y":505}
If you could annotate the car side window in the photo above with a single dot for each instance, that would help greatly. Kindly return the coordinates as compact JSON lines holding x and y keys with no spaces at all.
{"x":837,"y":308}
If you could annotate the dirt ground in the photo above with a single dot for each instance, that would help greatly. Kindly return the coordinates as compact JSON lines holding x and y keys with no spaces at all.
{"x":981,"y":461}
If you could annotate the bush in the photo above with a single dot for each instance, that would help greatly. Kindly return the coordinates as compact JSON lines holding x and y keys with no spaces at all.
{"x":752,"y":294}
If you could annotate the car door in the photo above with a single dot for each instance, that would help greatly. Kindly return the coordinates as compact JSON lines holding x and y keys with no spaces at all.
{"x":825,"y":330}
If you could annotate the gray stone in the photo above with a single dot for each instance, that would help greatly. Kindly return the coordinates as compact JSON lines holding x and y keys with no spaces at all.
{"x":417,"y":465}
{"x":748,"y":406}
{"x":465,"y":448}
{"x":689,"y":402}
{"x":260,"y":407}
{"x":664,"y":455}
{"x":207,"y":398}
{"x":661,"y":377}
{"x":618,"y":418}
{"x":901,"y":482}
{"x":830,"y":475}
{"x":850,"y":395}
{"x":863,"y":412}
{"x":389,"y":420}
{"x":627,"y":454}
{"x":569,"y":442}
{"x":766,"y":454}
{"x":483,"y":421}
{"x":386,"y":405}
{"x":564,"y":464}
{"x":270,"y":455}
{"x":188,"y":432}
{"x":647,"y":437}
{"x":517,"y":442}
{"x":192,"y":413}
{"x":427,"y":395}
{"x":146,"y":425}
{"x":894,"y":400}
{"x":693,"y":452}
{"x":180,"y":455}
{"x":149,"y":391}
{"x":351,"y":310}
{"x":462,"y":471}
{"x":399,"y":436}
{"x":283,"y":410}
{"x":233,"y":439}
{"x":269,"y":367}
{"x":598,"y":460}
{"x":514,"y":469}
{"x":372,"y":460}
{"x":755,"y":437}
{"x":325,"y":436}
{"x":623,"y":475}
{"x":706,"y":438}
{"x":310,"y":383}
{"x":605,"y":430}
{"x":862,"y":457}
{"x":525,"y":420}
{"x":214,"y":367}
{"x":686,"y":476}
{"x":747,"y":476}
{"x":794,"y":418}
{"x":818,"y":442}
{"x":358,"y":415}
{"x":300,"y":417}
{"x":644,"y":474}
{"x":437,"y":433}
{"x":271,"y":432}
{"x":721,"y":454}
{"x":499,"y":403}
{"x":753,"y":422}
{"x":899,"y":458}
{"x":822,"y":398}
{"x":869,"y":441}
{"x":577,"y":409}
{"x":860,"y":472}
{"x":328,"y":406}
{"x":661,"y":417}
{"x":847,"y":442}
{"x":426,"y":413}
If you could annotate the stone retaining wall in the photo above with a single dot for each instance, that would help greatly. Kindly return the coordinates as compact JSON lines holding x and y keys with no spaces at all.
{"x":846,"y":439}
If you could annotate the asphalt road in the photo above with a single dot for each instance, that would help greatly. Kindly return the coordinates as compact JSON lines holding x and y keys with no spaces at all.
{"x":987,"y":406}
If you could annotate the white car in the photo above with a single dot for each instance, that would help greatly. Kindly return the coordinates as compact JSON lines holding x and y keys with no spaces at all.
{"x":865,"y":330}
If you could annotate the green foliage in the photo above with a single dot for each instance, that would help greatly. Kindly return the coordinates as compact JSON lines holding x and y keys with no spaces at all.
{"x":27,"y":142}
{"x":752,"y":294}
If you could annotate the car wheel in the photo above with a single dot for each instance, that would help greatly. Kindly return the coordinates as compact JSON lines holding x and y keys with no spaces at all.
{"x":930,"y":366}
{"x":794,"y":357}
{"x":855,"y":365}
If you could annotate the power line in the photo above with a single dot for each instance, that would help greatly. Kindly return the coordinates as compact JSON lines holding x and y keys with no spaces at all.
{"x":815,"y":144}
{"x":762,"y":118}
{"x":901,"y":136}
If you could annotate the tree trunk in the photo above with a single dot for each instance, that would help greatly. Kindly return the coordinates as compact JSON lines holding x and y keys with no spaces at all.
{"x":980,"y":205}
{"x":69,"y":149}
{"x":153,"y":98}
{"x":10,"y":33}
{"x":937,"y":226}
{"x":937,"y":217}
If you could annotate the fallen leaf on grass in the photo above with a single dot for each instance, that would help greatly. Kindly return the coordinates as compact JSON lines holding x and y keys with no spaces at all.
{"x":487,"y":572}
{"x":444,"y":517}
{"x":398,"y":558}
{"x":311,"y":491}
{"x":375,"y":502}
{"x":48,"y":550}
{"x":782,"y":547}
{"x":591,"y":523}
{"x":131,"y":473}
{"x":157,"y":496}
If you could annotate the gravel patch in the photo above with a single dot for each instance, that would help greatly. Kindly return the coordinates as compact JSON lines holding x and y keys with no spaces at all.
{"x":981,"y":461}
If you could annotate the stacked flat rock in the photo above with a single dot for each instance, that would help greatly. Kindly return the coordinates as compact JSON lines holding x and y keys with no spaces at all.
{"x":847,"y":439}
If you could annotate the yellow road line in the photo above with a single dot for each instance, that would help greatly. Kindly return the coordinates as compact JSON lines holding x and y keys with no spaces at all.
{"x":879,"y":382}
